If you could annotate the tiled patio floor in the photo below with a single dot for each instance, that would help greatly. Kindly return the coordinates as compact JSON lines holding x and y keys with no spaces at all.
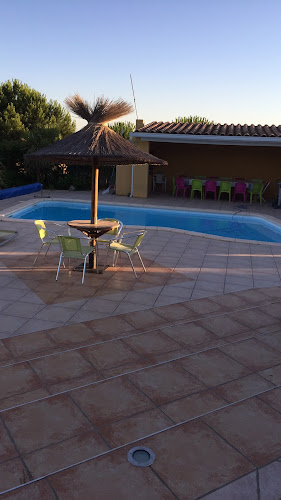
{"x":185,"y":360}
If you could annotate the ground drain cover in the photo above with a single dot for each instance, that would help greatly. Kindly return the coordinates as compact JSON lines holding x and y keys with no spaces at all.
{"x":141,"y":457}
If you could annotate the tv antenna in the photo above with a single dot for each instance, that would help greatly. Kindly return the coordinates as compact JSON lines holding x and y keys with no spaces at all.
{"x":134,"y":96}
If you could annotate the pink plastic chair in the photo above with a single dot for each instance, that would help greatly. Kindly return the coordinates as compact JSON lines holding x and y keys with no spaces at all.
{"x":211,"y":187}
{"x":180,"y":186}
{"x":240,"y":188}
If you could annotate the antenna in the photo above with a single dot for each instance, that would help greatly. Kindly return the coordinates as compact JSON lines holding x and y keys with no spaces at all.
{"x":134,"y":96}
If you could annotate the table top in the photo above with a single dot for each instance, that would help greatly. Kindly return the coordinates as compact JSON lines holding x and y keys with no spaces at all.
{"x":86,"y":224}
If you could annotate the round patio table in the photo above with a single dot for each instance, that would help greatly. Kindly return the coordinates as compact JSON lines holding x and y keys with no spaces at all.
{"x":93,"y":231}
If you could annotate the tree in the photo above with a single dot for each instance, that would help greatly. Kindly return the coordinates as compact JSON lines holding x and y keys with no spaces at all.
{"x":28,"y":121}
{"x":192,"y":119}
{"x":123,"y":128}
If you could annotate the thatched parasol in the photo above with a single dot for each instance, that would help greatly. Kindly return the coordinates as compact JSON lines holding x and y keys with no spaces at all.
{"x":96,"y":144}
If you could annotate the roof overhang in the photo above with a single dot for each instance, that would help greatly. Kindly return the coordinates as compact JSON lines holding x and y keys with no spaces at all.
{"x":208,"y":139}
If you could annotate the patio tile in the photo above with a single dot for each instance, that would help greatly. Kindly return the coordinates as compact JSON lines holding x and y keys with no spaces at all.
{"x":213,"y":367}
{"x":168,"y":356}
{"x":189,"y":334}
{"x":193,"y":406}
{"x":252,"y":353}
{"x":63,"y":454}
{"x":222,"y":325}
{"x":61,"y":314}
{"x":270,"y":481}
{"x":253,"y":318}
{"x":127,"y":368}
{"x":32,"y":491}
{"x":58,"y":416}
{"x":15,"y":379}
{"x":110,"y":327}
{"x":164,"y":301}
{"x":23,"y":398}
{"x":272,"y":374}
{"x":274,"y":292}
{"x":243,"y":425}
{"x":13,"y":473}
{"x":25,"y":345}
{"x":273,"y":310}
{"x":84,"y":316}
{"x":7,"y":449}
{"x":244,"y":488}
{"x":192,"y":460}
{"x":35,"y":325}
{"x":273,"y":398}
{"x":175,"y":312}
{"x":149,"y":344}
{"x":109,"y":354}
{"x":128,"y":307}
{"x":144,"y":319}
{"x":228,"y":300}
{"x":105,"y":475}
{"x":253,"y":296}
{"x":132,"y":428}
{"x":4,"y":304}
{"x":145,"y":298}
{"x":166,"y":382}
{"x":205,"y":346}
{"x":243,"y":388}
{"x":32,"y":298}
{"x":4,"y":353}
{"x":111,"y":400}
{"x":62,"y":367}
{"x":74,"y":383}
{"x":201,"y":294}
{"x":11,"y":293}
{"x":72,"y":335}
{"x":10,"y":324}
{"x":271,"y":339}
{"x":204,"y":306}
{"x":23,"y":309}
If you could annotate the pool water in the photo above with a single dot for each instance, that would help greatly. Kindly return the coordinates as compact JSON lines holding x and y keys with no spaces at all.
{"x":231,"y":226}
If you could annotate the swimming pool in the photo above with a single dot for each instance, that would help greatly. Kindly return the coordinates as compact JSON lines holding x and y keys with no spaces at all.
{"x":231,"y":226}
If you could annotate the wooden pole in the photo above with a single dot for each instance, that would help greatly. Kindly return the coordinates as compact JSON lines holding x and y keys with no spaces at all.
{"x":94,"y":210}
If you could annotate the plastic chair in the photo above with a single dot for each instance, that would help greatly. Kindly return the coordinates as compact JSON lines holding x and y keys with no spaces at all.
{"x":159,"y":179}
{"x":211,"y":187}
{"x":240,"y":188}
{"x":174,"y":187}
{"x":228,"y":179}
{"x":128,"y":249}
{"x":196,"y":185}
{"x":256,"y":191}
{"x":47,"y":237}
{"x":71,"y":248}
{"x":256,"y":181}
{"x":180,"y":186}
{"x":225,"y":187}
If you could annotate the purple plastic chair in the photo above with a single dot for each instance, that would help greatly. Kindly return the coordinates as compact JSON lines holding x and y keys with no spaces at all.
{"x":240,"y":188}
{"x":211,"y":187}
{"x":180,"y":186}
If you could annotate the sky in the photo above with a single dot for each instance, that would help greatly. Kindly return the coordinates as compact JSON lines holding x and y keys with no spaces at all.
{"x":214,"y":58}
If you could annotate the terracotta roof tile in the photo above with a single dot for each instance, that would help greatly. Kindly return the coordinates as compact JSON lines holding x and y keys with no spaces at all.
{"x":212,"y":129}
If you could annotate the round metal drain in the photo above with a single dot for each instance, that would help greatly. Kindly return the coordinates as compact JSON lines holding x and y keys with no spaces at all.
{"x":141,"y":456}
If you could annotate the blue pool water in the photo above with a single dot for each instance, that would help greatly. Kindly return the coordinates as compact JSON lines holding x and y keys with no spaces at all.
{"x":237,"y":226}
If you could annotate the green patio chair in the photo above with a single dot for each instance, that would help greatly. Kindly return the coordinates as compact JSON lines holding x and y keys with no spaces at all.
{"x":119,"y":246}
{"x":196,"y":185}
{"x":257,"y":181}
{"x":225,"y":187}
{"x":113,"y":234}
{"x":71,"y":248}
{"x":174,"y":187}
{"x":47,"y":237}
{"x":256,"y":191}
{"x":228,"y":179}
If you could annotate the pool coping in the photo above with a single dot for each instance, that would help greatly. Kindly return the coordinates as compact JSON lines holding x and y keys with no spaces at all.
{"x":6,"y":217}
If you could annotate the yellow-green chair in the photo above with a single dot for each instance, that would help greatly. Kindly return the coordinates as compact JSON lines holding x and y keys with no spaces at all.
{"x":256,"y":191}
{"x":71,"y":248}
{"x":119,"y":246}
{"x":196,"y":185}
{"x":113,"y":234}
{"x":225,"y":187}
{"x":47,"y":237}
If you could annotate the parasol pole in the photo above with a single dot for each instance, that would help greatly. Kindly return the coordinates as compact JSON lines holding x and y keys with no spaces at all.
{"x":95,"y":192}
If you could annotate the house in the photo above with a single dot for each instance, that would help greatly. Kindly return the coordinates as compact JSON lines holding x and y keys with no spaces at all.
{"x":215,"y":150}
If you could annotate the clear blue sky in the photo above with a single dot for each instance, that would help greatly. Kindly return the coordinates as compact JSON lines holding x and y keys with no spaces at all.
{"x":213,"y":58}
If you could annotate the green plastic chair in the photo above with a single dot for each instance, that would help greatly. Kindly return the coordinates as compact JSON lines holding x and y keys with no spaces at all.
{"x":47,"y":237}
{"x":174,"y":187}
{"x":113,"y":234}
{"x":71,"y":248}
{"x":196,"y":185}
{"x":256,"y":191}
{"x":225,"y":187}
{"x":228,"y":179}
{"x":119,"y":246}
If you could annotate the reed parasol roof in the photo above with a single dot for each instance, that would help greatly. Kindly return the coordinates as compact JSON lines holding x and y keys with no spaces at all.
{"x":95,"y":144}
